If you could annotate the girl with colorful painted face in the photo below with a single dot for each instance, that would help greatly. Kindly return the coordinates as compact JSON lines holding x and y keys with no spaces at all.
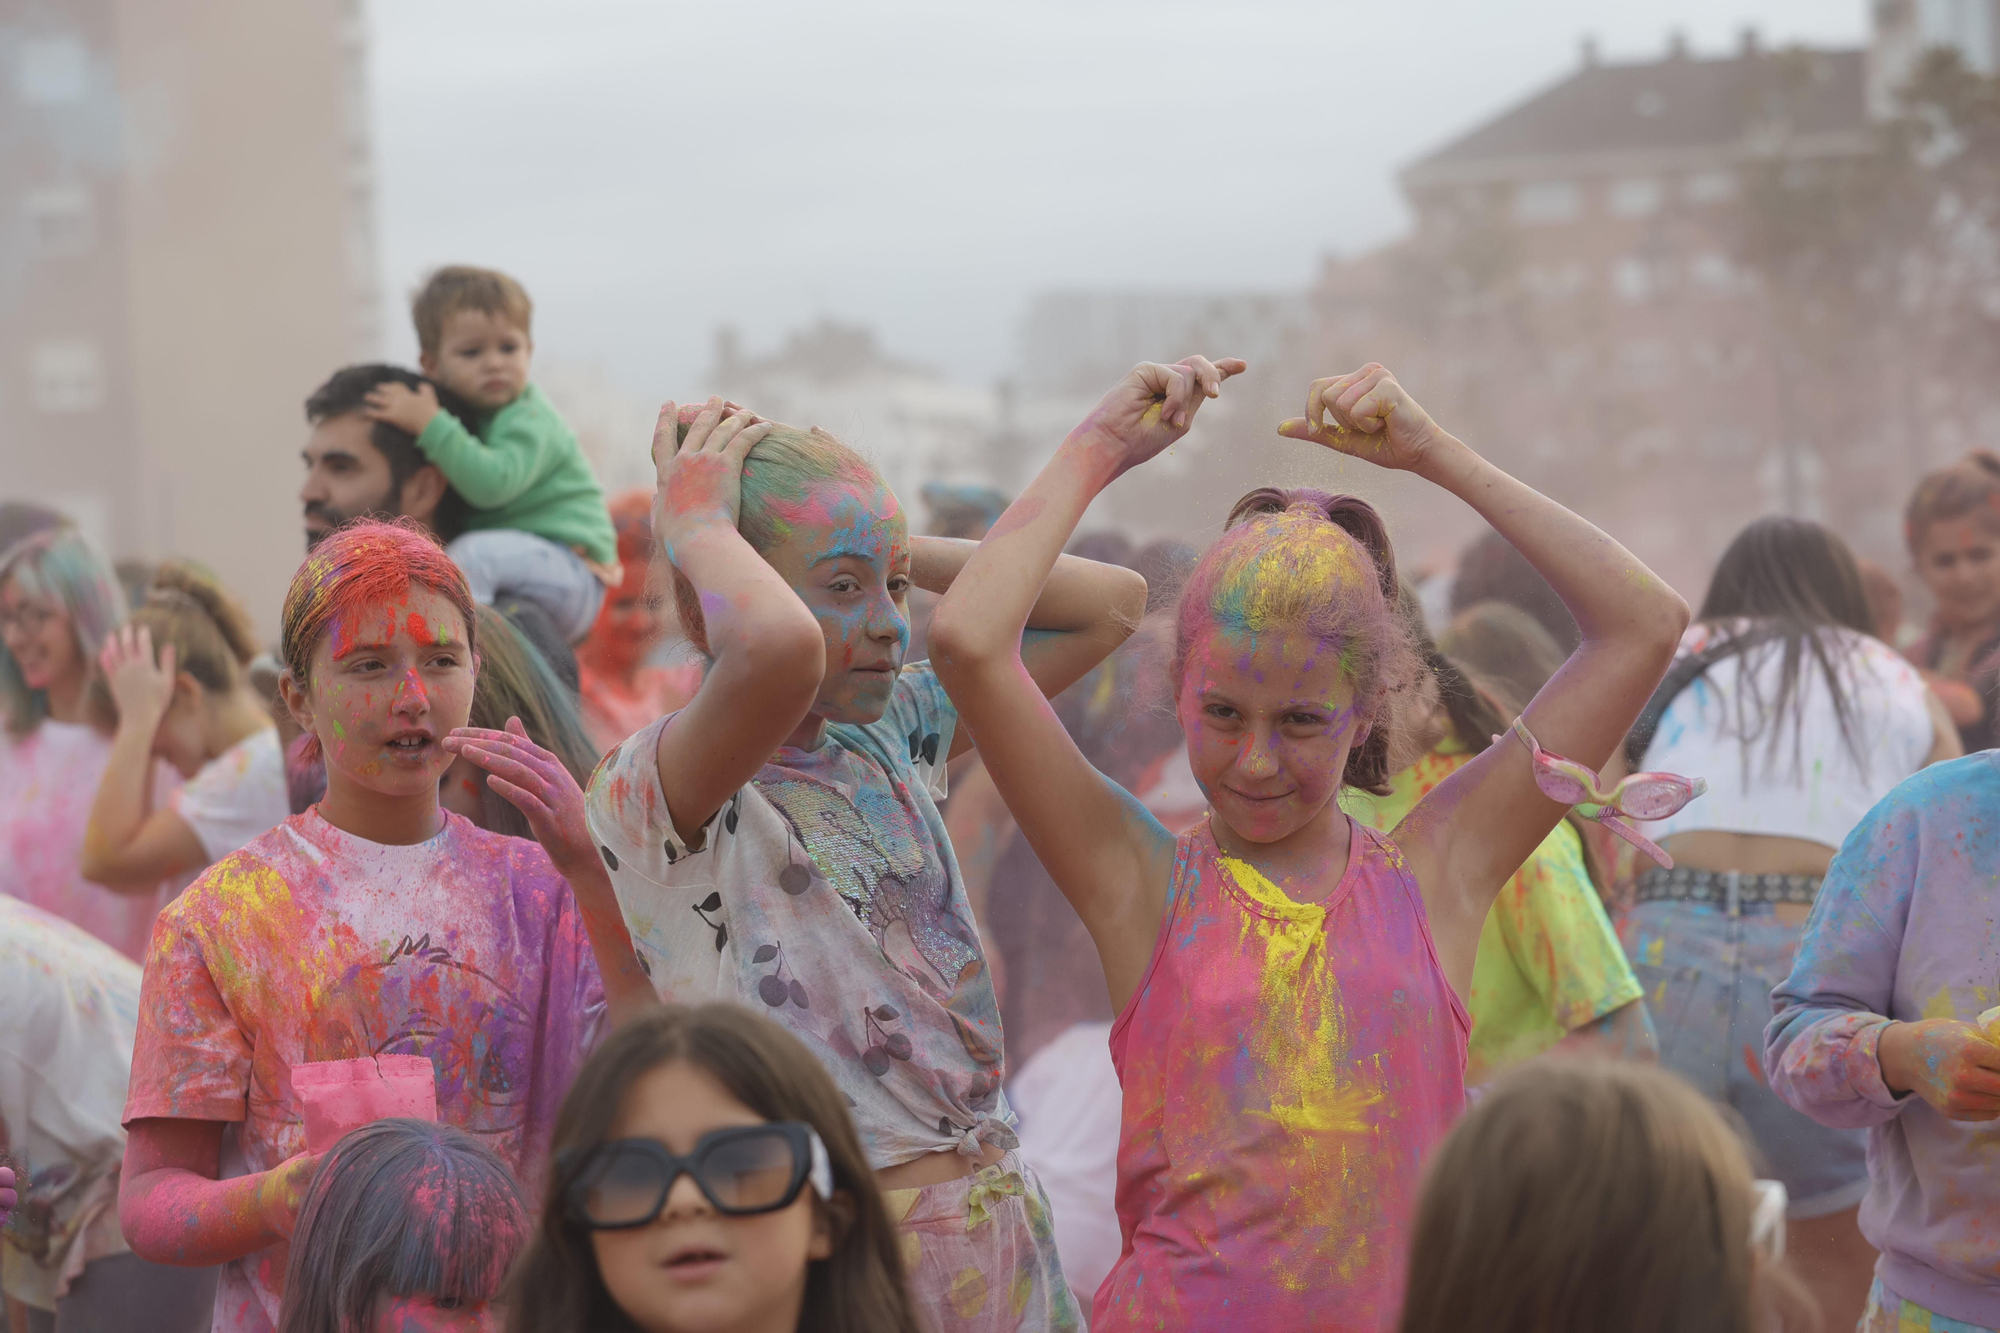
{"x":175,"y":683}
{"x":621,"y":690}
{"x":372,"y":924}
{"x":777,"y":841}
{"x":1292,"y":1030}
{"x":708,"y":1180}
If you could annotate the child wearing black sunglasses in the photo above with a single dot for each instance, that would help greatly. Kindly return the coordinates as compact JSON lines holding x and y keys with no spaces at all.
{"x":706,"y":1177}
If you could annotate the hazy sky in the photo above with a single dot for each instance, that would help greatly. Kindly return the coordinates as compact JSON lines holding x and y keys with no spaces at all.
{"x":653,"y":168}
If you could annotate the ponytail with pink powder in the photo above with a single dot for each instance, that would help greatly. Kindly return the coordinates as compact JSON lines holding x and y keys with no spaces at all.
{"x":1306,"y":560}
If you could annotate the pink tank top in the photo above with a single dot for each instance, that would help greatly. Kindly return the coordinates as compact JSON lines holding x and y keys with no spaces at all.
{"x":1287,"y":1068}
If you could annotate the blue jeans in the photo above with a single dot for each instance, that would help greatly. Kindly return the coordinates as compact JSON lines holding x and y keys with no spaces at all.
{"x":1708,"y":977}
{"x":506,"y":562}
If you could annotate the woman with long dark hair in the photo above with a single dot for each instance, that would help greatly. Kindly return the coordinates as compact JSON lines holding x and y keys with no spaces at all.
{"x":1800,"y":720}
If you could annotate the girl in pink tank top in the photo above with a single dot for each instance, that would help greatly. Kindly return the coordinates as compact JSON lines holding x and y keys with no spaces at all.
{"x":1291,"y":1036}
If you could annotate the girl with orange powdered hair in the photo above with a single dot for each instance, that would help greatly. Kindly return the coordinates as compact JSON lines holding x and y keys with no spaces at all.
{"x":621,"y":691}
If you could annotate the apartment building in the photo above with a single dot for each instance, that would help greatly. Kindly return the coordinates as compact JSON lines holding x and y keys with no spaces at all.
{"x":186,"y":250}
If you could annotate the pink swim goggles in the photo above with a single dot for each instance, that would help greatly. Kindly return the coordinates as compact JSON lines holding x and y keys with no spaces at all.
{"x":1636,"y":796}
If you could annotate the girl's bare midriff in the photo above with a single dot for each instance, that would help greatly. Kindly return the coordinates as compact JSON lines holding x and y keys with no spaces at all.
{"x":935,"y":1169}
{"x":1753,"y":854}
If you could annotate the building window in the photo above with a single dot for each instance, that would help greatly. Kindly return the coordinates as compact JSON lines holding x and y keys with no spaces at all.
{"x":61,"y":220}
{"x":1646,"y":364}
{"x":1637,"y":197}
{"x":1547,"y":201}
{"x":1710,"y":187}
{"x":68,"y":375}
{"x":1635,"y":280}
{"x":1714,"y":273}
{"x":52,"y":71}
{"x":1650,"y":103}
{"x":1560,"y":282}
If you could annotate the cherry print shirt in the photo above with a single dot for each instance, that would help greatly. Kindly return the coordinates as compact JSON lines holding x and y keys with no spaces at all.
{"x":311,"y":944}
{"x":826,"y":895}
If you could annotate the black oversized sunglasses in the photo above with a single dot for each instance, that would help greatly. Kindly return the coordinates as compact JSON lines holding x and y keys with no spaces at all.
{"x":741,"y":1171}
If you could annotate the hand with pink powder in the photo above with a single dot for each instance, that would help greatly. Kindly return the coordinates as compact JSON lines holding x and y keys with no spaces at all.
{"x":8,"y":1198}
{"x":543,"y":790}
{"x":538,"y":785}
{"x":1952,"y":1065}
{"x":141,"y":687}
{"x":700,"y":477}
{"x":282,"y":1189}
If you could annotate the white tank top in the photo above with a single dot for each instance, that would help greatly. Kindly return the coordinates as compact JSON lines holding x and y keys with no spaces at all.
{"x":1813,"y":784}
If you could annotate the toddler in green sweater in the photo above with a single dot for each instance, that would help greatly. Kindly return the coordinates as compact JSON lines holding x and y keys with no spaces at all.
{"x":539,"y":530}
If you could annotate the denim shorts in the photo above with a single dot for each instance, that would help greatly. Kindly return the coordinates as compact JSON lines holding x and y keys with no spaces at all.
{"x":1708,"y":977}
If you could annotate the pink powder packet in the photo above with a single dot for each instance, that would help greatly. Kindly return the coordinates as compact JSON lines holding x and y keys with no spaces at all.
{"x":336,"y":1096}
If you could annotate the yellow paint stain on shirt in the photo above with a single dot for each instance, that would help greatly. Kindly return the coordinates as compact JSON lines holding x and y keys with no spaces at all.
{"x":968,"y":1292}
{"x":1941,"y":1005}
{"x":1316,"y":1098}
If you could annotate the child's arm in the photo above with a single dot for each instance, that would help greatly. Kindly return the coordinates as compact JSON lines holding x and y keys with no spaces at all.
{"x":1111,"y":859}
{"x":1831,"y":1050}
{"x":543,"y":790}
{"x":1086,"y":609}
{"x":1466,"y":839}
{"x":523,"y":440}
{"x":126,"y":846}
{"x":769,"y":653}
{"x":173,"y":1210}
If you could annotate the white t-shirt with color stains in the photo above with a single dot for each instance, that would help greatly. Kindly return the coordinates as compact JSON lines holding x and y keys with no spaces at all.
{"x":825,"y":894}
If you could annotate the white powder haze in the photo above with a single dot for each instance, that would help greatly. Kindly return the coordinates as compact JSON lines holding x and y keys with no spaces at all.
{"x":652,"y":170}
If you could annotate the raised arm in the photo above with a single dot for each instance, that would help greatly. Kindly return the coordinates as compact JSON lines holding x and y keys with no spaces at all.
{"x":1466,"y":838}
{"x":1110,"y":858}
{"x":768,"y":651}
{"x":127,"y":846}
{"x":1085,"y":610}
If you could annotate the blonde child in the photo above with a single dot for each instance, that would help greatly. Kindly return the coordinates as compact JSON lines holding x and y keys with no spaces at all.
{"x":1591,"y":1197}
{"x":777,"y":841}
{"x":176,"y":679}
{"x":1291,"y":986}
{"x":538,"y":530}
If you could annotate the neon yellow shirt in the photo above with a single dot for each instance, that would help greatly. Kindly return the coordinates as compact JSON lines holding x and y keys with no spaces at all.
{"x":1549,"y":961}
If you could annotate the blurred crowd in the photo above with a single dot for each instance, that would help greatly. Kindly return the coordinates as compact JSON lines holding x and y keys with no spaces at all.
{"x":150,"y":734}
